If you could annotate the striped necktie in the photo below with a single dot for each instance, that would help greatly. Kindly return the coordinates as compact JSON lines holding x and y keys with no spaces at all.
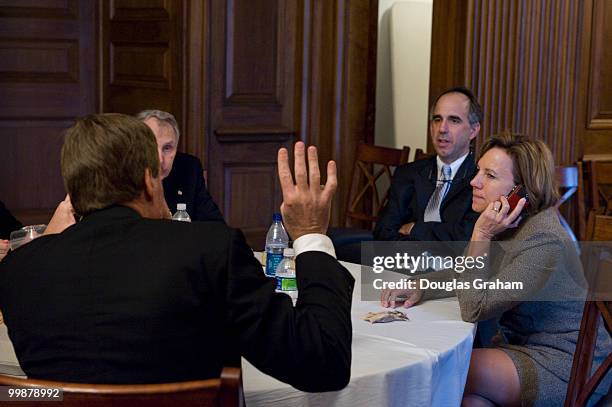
{"x":432,"y":212}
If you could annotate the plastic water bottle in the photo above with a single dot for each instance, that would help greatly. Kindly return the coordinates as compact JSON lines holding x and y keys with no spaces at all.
{"x":181,"y":213}
{"x":276,"y":241}
{"x":285,"y":274}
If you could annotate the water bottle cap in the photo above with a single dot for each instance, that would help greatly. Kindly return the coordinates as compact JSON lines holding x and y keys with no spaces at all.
{"x":277,"y":217}
{"x":288,"y":252}
{"x":181,"y":207}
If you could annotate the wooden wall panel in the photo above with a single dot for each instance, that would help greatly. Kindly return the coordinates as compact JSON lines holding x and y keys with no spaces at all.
{"x":252,"y":70}
{"x":241,"y":178}
{"x":44,"y":9}
{"x":142,"y":64}
{"x":47,"y":78}
{"x":600,"y":92}
{"x":49,"y":61}
{"x":251,"y":107}
{"x":338,"y":85}
{"x":595,"y":109}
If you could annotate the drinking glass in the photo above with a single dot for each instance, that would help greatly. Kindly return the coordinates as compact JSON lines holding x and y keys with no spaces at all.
{"x":25,"y":235}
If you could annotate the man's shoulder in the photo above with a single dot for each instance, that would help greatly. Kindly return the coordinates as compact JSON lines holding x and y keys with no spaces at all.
{"x":196,"y":229}
{"x":415,"y":168}
{"x":184,"y":161}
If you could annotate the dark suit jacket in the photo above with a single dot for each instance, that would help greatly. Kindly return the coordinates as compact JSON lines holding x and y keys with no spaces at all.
{"x":118,"y":298}
{"x":187,"y":176}
{"x":411,"y":188}
{"x":8,"y":223}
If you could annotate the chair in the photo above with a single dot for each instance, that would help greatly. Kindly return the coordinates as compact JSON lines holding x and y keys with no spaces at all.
{"x":419,"y":154}
{"x":371,"y":163}
{"x":569,"y":180}
{"x":225,"y":391}
{"x":372,"y":171}
{"x":599,"y":175}
{"x":581,"y":386}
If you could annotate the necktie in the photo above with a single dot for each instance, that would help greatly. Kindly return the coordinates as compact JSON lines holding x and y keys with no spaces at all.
{"x":432,"y":212}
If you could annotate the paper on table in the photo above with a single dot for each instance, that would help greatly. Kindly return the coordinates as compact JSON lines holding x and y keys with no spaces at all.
{"x":385,"y":316}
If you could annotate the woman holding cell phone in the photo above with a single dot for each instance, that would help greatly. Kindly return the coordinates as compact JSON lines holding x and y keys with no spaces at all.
{"x":515,"y":192}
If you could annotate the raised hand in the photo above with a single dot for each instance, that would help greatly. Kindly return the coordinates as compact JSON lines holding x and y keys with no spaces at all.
{"x":306,"y":204}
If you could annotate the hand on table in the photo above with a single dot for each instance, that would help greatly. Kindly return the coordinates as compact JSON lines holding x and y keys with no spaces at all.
{"x":62,"y":218}
{"x":407,"y":298}
{"x":406,"y":228}
{"x":306,"y":206}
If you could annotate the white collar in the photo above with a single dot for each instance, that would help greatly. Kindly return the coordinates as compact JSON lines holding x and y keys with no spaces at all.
{"x":454,"y":165}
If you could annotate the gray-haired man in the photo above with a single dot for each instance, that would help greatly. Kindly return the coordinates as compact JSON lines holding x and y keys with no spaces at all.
{"x":181,"y":173}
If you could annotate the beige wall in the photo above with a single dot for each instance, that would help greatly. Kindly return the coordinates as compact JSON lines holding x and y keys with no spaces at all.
{"x":402,"y":83}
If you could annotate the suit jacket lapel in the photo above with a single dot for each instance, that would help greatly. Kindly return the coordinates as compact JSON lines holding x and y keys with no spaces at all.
{"x":427,"y":184}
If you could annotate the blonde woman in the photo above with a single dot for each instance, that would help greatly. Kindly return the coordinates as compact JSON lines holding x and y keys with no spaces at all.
{"x":532,"y":358}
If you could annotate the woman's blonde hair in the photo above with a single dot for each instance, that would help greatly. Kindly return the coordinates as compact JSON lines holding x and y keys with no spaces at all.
{"x":533,"y":166}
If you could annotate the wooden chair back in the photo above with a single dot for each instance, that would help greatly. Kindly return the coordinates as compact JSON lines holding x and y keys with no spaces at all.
{"x":582,"y":383}
{"x":224,"y":391}
{"x":419,"y":154}
{"x":371,"y":164}
{"x":569,"y":180}
{"x":599,"y":175}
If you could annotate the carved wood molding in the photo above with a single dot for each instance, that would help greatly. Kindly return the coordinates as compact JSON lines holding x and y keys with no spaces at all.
{"x":48,"y":10}
{"x":253,"y":134}
{"x":599,"y":114}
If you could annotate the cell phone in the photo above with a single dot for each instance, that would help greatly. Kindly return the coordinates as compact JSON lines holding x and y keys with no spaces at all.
{"x":515,"y":196}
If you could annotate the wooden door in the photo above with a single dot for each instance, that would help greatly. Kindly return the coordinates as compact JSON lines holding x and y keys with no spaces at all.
{"x":142,"y":43}
{"x":595,"y":92}
{"x":282,"y":71}
{"x":47,"y":79}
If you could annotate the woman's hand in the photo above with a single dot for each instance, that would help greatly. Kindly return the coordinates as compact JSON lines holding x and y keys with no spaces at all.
{"x":407,"y":298}
{"x":496,"y":218}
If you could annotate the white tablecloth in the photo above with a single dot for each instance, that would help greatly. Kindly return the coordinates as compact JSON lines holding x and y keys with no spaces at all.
{"x":421,"y":362}
{"x":8,"y":360}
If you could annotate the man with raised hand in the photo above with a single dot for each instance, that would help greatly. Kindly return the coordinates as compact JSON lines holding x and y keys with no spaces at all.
{"x":128,"y":296}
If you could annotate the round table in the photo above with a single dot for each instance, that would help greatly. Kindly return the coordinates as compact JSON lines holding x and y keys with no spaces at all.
{"x":420,"y":362}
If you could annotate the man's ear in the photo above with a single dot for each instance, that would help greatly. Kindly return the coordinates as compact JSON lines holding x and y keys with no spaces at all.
{"x":475,"y":131}
{"x":150,"y":185}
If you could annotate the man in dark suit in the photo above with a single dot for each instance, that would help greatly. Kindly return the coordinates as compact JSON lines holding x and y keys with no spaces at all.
{"x":431,"y":200}
{"x":8,"y":222}
{"x":128,"y":296}
{"x":181,"y":173}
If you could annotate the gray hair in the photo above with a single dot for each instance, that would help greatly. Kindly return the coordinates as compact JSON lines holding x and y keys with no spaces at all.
{"x":163,"y":117}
